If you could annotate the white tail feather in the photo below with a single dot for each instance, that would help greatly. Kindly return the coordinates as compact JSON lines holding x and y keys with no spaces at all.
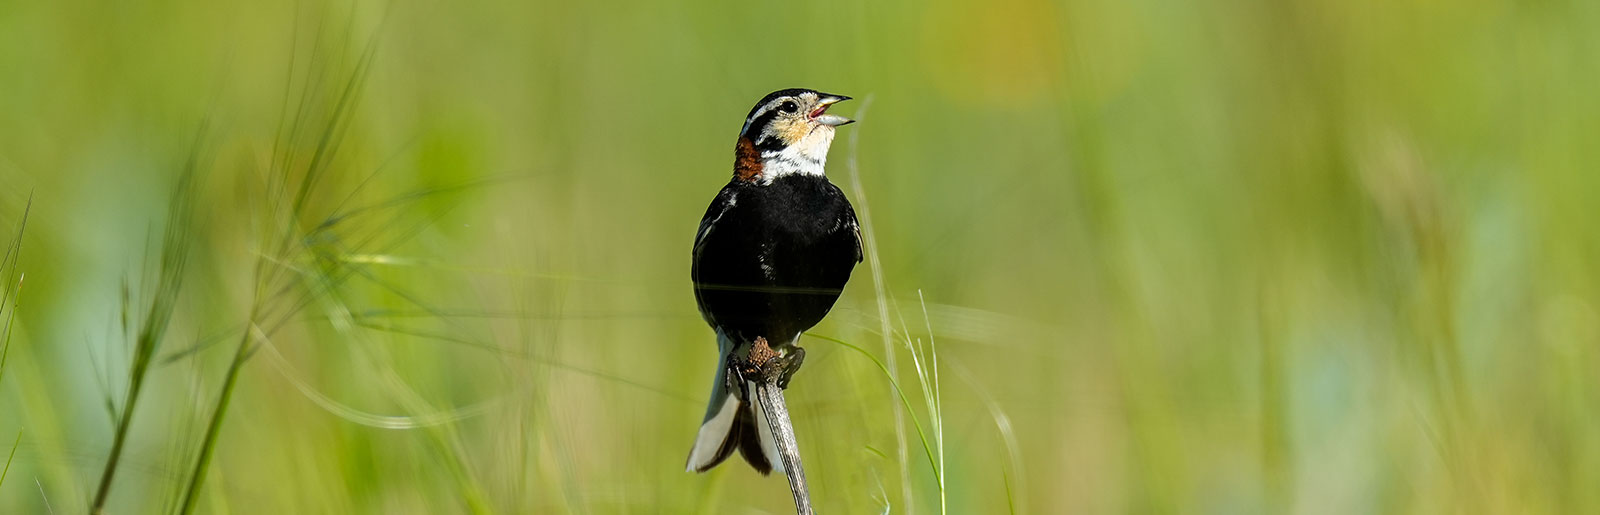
{"x":712,"y":433}
{"x":722,"y":412}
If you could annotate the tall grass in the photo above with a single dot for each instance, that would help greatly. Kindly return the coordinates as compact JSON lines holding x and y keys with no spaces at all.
{"x":12,"y":276}
{"x":286,"y":238}
{"x":885,"y":327}
{"x":312,"y":250}
{"x":171,"y":268}
{"x":10,"y":457}
{"x":11,"y":281}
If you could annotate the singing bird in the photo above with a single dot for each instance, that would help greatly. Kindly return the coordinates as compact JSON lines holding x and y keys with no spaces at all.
{"x":772,"y":254}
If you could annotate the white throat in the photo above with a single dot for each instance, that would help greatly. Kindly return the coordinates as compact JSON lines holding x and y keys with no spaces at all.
{"x":808,"y":156}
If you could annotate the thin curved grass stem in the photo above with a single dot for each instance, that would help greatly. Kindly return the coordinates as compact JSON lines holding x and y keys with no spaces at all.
{"x":904,"y":401}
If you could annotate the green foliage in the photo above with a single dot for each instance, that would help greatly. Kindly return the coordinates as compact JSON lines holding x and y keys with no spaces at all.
{"x":152,"y":330}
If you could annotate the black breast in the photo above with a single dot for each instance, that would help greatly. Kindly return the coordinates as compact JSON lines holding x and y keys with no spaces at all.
{"x":770,"y":260}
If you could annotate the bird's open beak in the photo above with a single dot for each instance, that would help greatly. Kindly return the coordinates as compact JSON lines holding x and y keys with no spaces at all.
{"x":832,"y":120}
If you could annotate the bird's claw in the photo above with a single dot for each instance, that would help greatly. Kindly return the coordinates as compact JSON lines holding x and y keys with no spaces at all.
{"x":765,"y":365}
{"x":788,"y":365}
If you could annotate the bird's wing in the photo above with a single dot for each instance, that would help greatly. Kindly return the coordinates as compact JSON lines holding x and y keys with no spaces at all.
{"x":720,"y":206}
{"x":855,"y":230}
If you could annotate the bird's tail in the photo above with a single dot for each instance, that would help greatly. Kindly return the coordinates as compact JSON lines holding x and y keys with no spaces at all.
{"x":732,"y":422}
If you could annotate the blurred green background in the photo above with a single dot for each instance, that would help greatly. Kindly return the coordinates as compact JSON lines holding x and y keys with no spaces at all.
{"x":1234,"y":256}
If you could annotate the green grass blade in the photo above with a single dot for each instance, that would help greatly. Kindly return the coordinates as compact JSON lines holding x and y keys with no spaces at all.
{"x":171,"y":270}
{"x":927,"y":448}
{"x":10,"y":296}
{"x":12,"y":456}
{"x":214,"y":426}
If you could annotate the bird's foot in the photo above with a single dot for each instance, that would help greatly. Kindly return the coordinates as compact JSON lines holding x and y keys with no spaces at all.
{"x":753,"y":365}
{"x":788,"y":365}
{"x":768,"y":366}
{"x":733,"y":379}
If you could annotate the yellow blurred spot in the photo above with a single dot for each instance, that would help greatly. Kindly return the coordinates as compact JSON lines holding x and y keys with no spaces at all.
{"x":992,"y":54}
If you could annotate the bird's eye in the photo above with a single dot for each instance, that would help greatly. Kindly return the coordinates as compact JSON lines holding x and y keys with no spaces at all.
{"x":789,"y":107}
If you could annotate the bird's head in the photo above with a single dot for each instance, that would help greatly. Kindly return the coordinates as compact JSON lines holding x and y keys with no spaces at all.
{"x":787,"y":132}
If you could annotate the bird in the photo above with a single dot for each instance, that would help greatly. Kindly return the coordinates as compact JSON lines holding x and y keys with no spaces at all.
{"x":771,"y":256}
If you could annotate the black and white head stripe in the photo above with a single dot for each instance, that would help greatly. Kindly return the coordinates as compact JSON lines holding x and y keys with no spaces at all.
{"x":787,"y":101}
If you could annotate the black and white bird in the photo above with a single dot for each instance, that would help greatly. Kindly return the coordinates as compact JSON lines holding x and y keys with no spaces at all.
{"x":772,"y":255}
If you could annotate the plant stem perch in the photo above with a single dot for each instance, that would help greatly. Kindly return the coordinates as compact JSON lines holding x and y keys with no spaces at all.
{"x":772,"y":371}
{"x":777,"y":415}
